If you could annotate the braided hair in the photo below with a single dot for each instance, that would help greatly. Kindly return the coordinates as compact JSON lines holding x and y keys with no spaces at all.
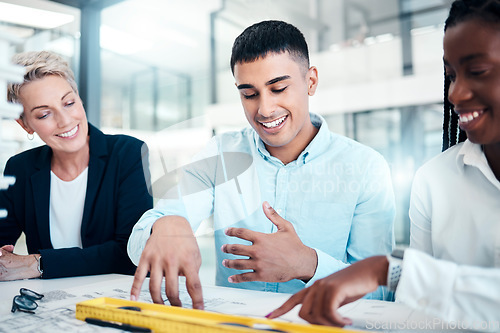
{"x":487,"y":11}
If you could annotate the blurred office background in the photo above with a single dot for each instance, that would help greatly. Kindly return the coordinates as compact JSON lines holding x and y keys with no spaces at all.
{"x":159,"y":70}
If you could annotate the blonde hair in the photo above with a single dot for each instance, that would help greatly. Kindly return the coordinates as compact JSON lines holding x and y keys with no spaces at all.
{"x":39,"y":64}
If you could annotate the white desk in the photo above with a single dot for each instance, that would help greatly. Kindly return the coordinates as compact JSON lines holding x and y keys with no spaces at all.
{"x":56,"y":311}
{"x":10,"y":289}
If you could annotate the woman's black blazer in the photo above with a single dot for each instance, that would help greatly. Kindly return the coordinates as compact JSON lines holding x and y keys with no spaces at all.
{"x":116,"y":197}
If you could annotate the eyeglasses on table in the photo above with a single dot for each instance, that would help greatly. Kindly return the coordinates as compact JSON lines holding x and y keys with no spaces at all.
{"x":25,"y":302}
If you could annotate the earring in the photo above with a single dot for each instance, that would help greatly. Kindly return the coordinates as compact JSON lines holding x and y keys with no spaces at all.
{"x":30,"y":136}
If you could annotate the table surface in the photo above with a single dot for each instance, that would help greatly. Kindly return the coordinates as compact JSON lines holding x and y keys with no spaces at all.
{"x":9,"y":289}
{"x":56,"y":311}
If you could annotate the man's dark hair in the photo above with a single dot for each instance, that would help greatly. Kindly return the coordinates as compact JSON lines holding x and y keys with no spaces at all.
{"x":487,"y":11}
{"x":266,"y":37}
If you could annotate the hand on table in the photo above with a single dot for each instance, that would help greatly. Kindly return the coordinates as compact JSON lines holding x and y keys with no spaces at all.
{"x":8,"y":248}
{"x":171,"y":251}
{"x":321,"y":301}
{"x":276,"y":257}
{"x":15,"y":266}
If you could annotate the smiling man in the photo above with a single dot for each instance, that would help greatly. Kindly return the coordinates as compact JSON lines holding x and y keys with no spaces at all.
{"x":309,"y":203}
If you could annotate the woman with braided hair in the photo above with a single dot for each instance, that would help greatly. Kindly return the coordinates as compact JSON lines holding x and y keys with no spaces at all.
{"x":452,"y":268}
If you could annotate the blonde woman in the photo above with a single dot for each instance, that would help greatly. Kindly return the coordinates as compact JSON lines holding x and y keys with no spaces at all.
{"x":77,"y":197}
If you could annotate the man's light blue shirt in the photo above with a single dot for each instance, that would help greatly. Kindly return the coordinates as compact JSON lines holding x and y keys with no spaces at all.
{"x":337,"y":194}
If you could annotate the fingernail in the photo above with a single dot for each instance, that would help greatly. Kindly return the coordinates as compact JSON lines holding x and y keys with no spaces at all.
{"x":269,"y":314}
{"x":230,"y":279}
{"x":224,"y":263}
{"x":225,"y":230}
{"x":267,"y":205}
{"x":133,"y":298}
{"x":222,"y":248}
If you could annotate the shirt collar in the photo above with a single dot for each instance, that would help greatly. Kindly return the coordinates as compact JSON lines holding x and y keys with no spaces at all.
{"x":472,"y":154}
{"x":318,"y":144}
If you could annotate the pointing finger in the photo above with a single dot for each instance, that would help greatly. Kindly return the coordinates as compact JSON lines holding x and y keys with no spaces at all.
{"x":172,"y":287}
{"x":139,"y":276}
{"x":288,"y":305}
{"x":194,"y":289}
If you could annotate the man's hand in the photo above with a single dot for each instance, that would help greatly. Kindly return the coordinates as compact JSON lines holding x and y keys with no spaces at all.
{"x":170,"y":251}
{"x":276,"y":257}
{"x":17,"y":267}
{"x":321,"y":301}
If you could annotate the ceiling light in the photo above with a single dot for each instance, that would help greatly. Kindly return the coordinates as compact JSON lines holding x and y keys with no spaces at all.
{"x":33,"y":17}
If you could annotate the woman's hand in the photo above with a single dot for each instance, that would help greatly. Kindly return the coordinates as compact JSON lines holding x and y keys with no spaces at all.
{"x":320,"y":302}
{"x":17,"y":267}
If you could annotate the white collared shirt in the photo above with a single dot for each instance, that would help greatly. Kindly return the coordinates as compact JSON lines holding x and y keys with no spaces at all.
{"x":455,"y":217}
